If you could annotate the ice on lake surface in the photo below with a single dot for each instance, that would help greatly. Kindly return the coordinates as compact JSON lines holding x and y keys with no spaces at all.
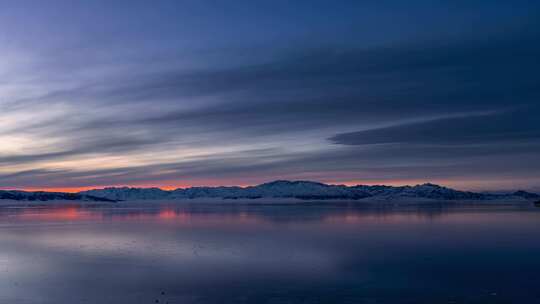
{"x":269,"y":254}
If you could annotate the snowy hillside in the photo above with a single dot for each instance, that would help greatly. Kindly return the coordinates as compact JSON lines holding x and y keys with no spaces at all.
{"x":304,"y":190}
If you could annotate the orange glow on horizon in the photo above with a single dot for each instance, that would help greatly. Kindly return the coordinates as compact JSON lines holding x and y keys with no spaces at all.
{"x":60,"y":189}
{"x":163,"y":186}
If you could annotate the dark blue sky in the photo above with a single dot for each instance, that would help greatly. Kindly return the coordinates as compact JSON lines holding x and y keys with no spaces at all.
{"x":177,"y":93}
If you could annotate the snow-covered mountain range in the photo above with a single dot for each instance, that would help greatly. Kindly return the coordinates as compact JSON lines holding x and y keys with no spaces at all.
{"x":304,"y":190}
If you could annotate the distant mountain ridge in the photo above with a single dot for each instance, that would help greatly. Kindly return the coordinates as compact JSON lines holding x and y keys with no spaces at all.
{"x":49,"y":196}
{"x":304,"y":190}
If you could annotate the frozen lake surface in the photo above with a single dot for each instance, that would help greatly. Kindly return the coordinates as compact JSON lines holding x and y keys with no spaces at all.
{"x":269,"y":254}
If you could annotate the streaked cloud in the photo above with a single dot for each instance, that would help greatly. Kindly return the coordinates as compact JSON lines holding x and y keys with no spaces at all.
{"x":153,"y":96}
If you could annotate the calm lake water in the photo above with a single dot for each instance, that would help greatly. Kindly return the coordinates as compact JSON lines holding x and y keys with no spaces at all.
{"x":269,"y":254}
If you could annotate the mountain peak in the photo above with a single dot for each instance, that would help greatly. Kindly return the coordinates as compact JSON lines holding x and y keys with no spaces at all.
{"x":525,"y":194}
{"x":431,"y":185}
{"x":290,"y":183}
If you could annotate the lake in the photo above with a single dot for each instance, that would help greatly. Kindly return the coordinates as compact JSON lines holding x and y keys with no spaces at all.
{"x":304,"y":253}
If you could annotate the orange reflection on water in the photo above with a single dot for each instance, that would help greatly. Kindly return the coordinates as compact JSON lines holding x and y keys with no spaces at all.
{"x":63,"y":213}
{"x":168,"y":214}
{"x":74,"y":213}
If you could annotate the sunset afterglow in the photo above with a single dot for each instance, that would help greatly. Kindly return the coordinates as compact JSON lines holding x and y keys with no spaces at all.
{"x":109,"y":95}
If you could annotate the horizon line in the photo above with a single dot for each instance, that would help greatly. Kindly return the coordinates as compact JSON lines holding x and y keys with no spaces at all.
{"x":171,"y":188}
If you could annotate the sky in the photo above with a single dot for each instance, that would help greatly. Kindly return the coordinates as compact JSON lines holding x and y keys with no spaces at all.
{"x":187,"y":93}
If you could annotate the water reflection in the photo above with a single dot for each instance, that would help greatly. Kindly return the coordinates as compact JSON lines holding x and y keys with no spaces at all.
{"x":242,"y":213}
{"x":269,"y":254}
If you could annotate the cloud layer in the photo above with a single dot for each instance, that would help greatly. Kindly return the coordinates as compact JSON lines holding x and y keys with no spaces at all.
{"x":167,"y":105}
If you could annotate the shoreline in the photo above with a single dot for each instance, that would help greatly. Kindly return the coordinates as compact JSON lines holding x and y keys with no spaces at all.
{"x":269,"y":202}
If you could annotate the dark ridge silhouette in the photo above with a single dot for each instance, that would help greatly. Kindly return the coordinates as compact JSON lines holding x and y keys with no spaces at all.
{"x":49,"y":196}
{"x":303,"y":190}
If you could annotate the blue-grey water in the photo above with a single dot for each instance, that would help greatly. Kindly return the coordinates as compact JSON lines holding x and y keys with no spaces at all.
{"x":269,"y":254}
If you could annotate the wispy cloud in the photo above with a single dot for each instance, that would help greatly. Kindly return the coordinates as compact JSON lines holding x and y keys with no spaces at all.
{"x":453,"y":107}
